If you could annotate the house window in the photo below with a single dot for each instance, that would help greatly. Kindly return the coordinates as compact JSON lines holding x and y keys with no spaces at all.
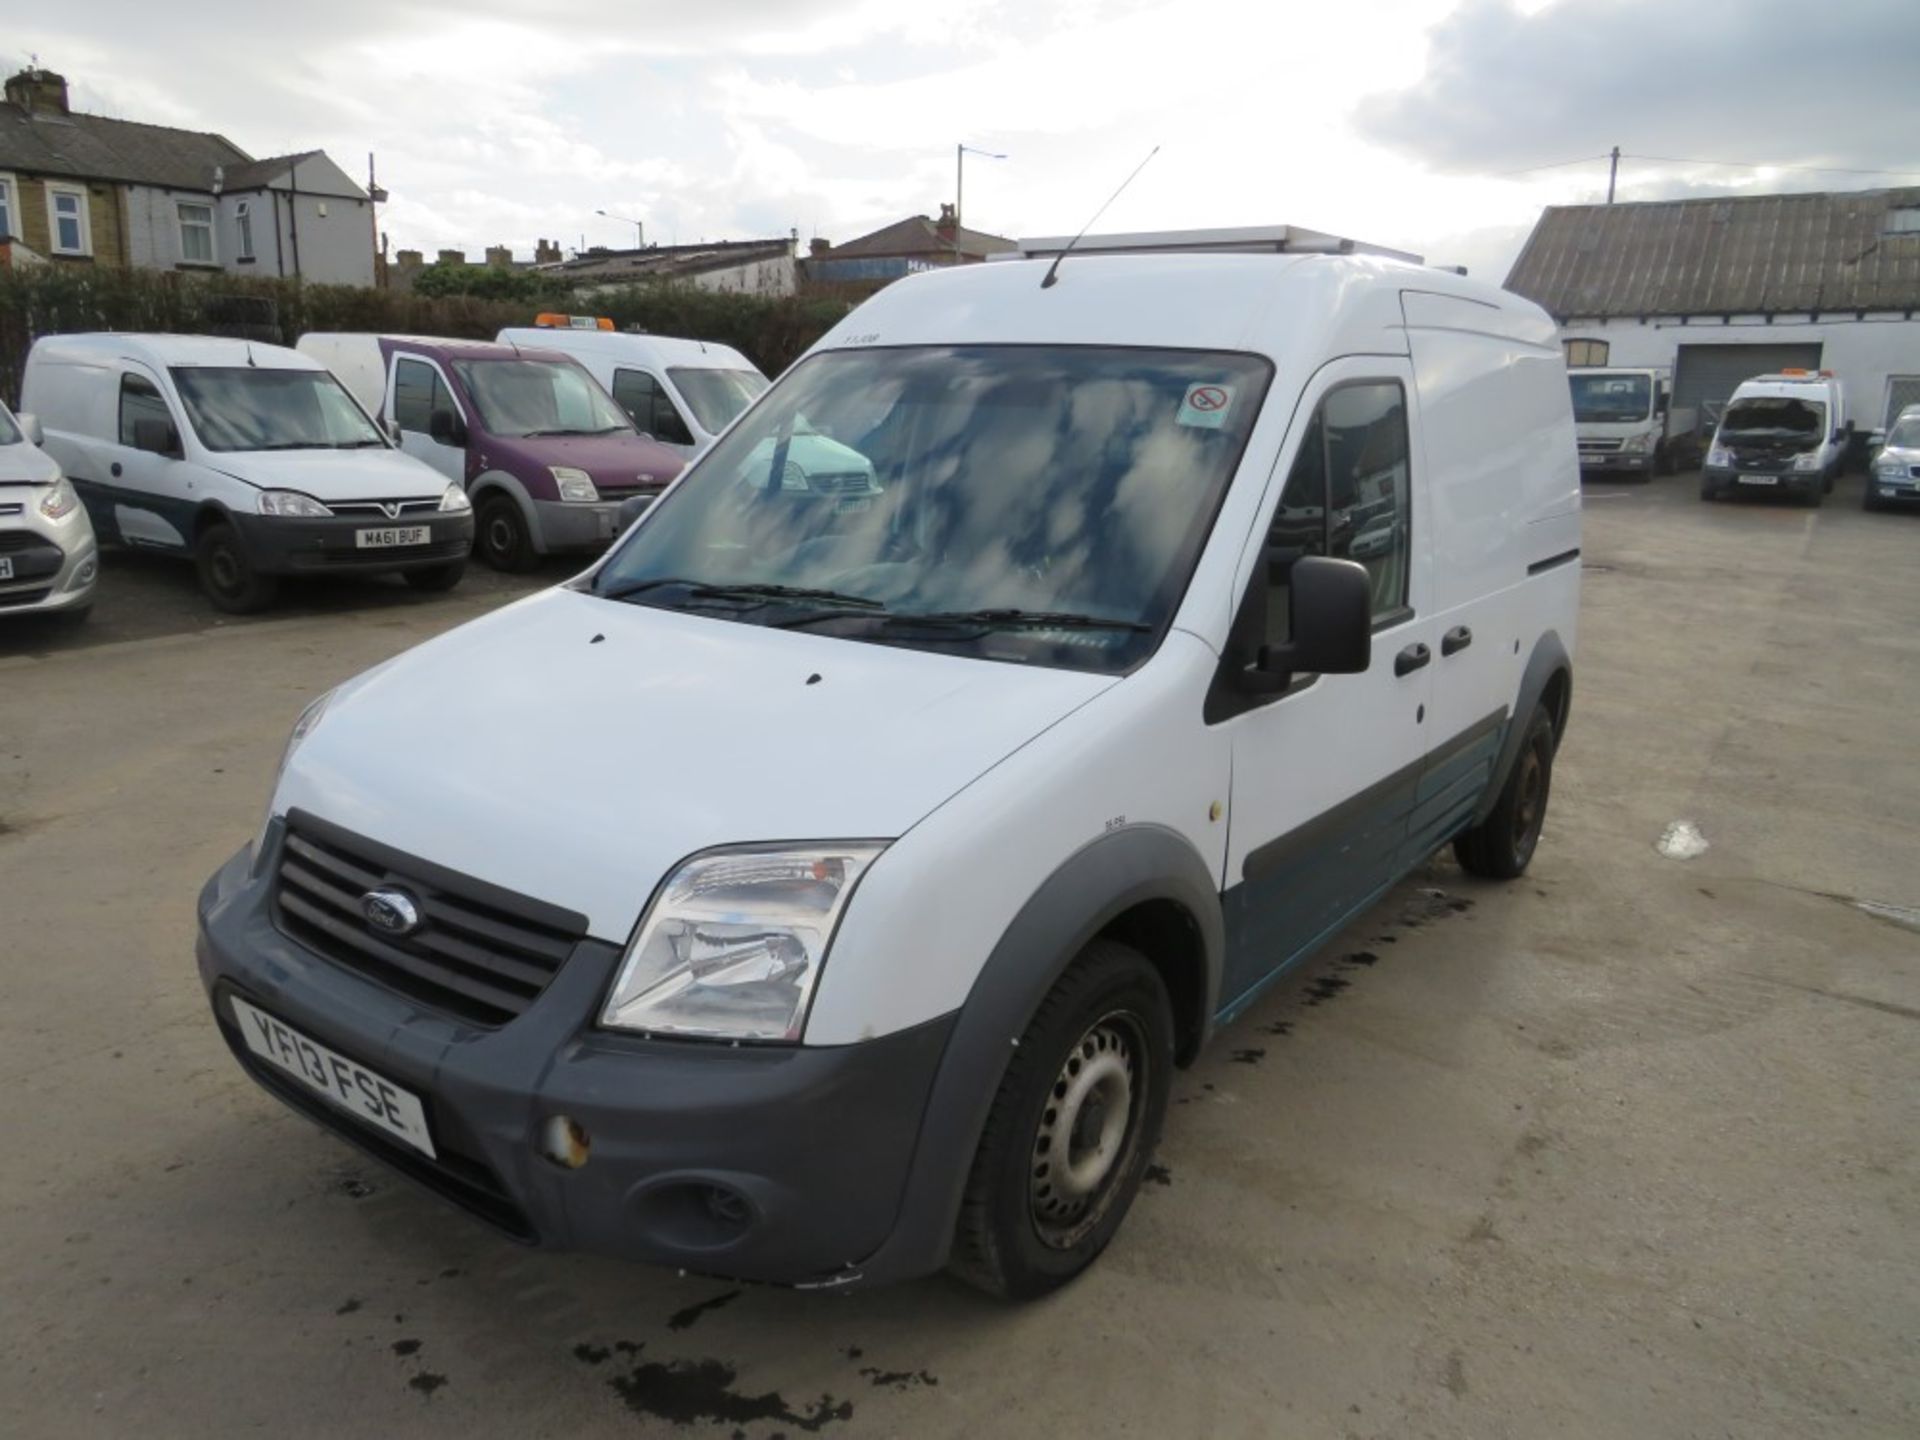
{"x":7,"y":214}
{"x":67,"y":219}
{"x":196,"y":233}
{"x":1587,"y":352}
{"x":243,"y":218}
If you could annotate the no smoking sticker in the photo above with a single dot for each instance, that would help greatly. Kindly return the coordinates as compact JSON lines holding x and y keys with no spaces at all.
{"x":1206,"y":406}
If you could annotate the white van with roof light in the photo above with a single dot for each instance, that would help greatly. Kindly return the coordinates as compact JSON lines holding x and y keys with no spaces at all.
{"x":249,"y":459}
{"x":1781,"y":434}
{"x":1201,"y":599}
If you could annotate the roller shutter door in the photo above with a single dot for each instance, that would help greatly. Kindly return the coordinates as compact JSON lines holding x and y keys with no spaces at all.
{"x":1706,"y":375}
{"x":1902,"y":391}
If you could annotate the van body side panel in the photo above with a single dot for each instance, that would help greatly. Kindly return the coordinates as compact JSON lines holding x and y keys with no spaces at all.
{"x":1133,"y":754}
{"x":1504,"y":477}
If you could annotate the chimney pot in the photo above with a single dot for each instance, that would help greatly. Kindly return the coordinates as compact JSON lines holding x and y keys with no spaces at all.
{"x":32,"y":90}
{"x":452,"y":257}
{"x":819,"y":245}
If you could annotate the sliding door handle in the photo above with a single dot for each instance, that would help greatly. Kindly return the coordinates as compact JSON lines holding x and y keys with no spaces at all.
{"x":1411,"y":659}
{"x":1455,"y":640}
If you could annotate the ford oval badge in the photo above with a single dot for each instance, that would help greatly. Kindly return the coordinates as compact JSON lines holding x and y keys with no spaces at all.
{"x":393,"y":911}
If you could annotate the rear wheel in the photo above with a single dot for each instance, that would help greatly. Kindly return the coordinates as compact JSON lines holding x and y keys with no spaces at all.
{"x":227,"y":573}
{"x":1708,"y":490}
{"x":435,"y":578}
{"x":500,"y":534}
{"x":1072,"y":1127}
{"x":1501,"y":846}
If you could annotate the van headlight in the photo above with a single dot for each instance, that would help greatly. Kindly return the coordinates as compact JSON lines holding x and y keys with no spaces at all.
{"x":731,"y":947}
{"x":1808,"y":461}
{"x":1720,"y":457}
{"x":575,"y":483}
{"x":1888,"y":468}
{"x":303,"y":727}
{"x":1634,"y":444}
{"x":59,"y":501}
{"x":455,"y":500}
{"x":292,"y":505}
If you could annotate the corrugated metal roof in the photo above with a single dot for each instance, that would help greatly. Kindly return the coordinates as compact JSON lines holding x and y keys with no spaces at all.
{"x":92,"y":147}
{"x":1755,"y":254}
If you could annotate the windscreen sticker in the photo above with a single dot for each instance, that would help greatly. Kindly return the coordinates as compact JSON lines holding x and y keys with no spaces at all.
{"x":1206,"y":406}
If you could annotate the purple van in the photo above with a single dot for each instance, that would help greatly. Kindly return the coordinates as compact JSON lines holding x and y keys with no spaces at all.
{"x":546,"y":456}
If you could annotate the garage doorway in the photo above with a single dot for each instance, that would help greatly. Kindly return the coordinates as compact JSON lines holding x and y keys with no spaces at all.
{"x":1706,"y":375}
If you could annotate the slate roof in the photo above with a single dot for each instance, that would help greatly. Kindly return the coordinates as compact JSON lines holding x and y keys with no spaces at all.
{"x":666,"y":262}
{"x":1754,"y":254}
{"x":258,"y":174}
{"x":92,"y":147}
{"x":915,"y":236}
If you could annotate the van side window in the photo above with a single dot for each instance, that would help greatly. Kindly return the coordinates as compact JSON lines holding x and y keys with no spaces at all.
{"x":418,"y":391}
{"x":140,"y":399}
{"x":1347,"y":497}
{"x":652,"y":409}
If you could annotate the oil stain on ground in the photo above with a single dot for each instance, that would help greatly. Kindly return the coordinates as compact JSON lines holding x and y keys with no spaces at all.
{"x":899,"y":1379}
{"x":1159,"y":1175}
{"x":687,"y":1318}
{"x":426,"y":1382}
{"x":688,"y":1392}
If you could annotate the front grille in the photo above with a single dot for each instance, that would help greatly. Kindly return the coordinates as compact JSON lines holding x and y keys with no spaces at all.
{"x":480,"y":953}
{"x":24,"y":597}
{"x":12,"y":509}
{"x":856,"y":482}
{"x":1599,"y":445}
{"x":12,"y":540}
{"x":379,"y":508}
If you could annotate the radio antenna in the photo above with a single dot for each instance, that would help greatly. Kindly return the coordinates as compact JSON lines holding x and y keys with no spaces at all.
{"x":1051,"y":276}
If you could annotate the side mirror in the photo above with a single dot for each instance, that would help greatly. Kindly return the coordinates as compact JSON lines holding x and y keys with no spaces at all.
{"x":632,"y":508}
{"x":1660,"y":405}
{"x":155,"y":436}
{"x":30,"y":428}
{"x":447,"y":428}
{"x":391,"y":428}
{"x":1332,"y":620}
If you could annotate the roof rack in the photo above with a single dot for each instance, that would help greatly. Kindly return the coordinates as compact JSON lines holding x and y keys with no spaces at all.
{"x":1245,"y":240}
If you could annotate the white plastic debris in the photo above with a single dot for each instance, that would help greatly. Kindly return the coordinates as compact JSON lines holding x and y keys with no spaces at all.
{"x":1682,"y":840}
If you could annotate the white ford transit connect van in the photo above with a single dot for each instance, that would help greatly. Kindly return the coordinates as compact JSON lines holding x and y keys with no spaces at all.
{"x":1203,"y":597}
{"x":249,"y":459}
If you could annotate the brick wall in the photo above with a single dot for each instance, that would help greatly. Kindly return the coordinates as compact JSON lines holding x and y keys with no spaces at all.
{"x":106,"y":215}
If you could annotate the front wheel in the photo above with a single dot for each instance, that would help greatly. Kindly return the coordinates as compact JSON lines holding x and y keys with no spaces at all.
{"x":1501,"y":845}
{"x":500,"y":535}
{"x":227,"y":573}
{"x":1073,"y":1125}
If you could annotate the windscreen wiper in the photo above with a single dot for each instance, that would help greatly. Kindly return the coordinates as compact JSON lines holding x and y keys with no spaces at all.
{"x":1010,"y":619}
{"x":703,"y":590}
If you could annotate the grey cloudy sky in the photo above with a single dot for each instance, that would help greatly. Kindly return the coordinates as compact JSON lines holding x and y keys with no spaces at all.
{"x":497,"y":121}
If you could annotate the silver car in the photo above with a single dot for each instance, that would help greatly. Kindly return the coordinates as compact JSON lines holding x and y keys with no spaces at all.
{"x":1894,"y":476}
{"x":49,"y":562}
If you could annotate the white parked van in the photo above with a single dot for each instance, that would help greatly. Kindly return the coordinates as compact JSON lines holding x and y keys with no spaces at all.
{"x":1624,"y":420}
{"x":1780,"y":434}
{"x":684,"y":393}
{"x":48,"y":561}
{"x":249,"y":459}
{"x":1202,"y":598}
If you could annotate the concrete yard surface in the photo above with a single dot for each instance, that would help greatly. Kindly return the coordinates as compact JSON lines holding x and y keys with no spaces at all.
{"x":1628,"y":1148}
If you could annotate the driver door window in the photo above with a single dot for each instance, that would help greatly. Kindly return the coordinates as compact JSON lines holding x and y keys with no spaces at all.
{"x":140,"y":399}
{"x":652,"y":409}
{"x":418,"y":391}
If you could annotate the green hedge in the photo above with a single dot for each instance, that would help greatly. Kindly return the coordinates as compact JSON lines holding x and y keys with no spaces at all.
{"x":56,"y":298}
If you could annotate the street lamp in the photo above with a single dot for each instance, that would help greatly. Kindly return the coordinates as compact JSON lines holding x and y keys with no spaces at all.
{"x":639,"y":232}
{"x":960,"y":153}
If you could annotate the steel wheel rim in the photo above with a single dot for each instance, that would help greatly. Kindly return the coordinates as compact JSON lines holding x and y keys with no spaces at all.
{"x":1532,"y":806}
{"x":1086,"y":1130}
{"x":500,"y":535}
{"x":225,"y":566}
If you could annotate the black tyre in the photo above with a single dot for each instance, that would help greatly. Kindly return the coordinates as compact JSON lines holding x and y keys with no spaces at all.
{"x":227,"y":573}
{"x":1867,"y":500}
{"x":1708,"y":490}
{"x":500,"y":535}
{"x":1500,"y":846}
{"x":1663,"y":461}
{"x":1811,"y":497}
{"x":435,"y":578}
{"x":1073,"y":1125}
{"x":1826,"y":481}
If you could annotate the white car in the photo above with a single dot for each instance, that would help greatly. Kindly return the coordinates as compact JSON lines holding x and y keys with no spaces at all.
{"x":961,"y":816}
{"x":1894,"y":477}
{"x":49,"y":563}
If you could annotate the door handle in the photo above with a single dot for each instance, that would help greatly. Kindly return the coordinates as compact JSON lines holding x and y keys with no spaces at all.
{"x":1411,"y":659}
{"x":1455,"y":640}
{"x":114,"y":469}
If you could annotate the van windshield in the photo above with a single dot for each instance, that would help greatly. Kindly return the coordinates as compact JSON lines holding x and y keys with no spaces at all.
{"x":540,"y":397}
{"x":1611,"y":397}
{"x":1780,"y":418}
{"x":717,"y":396}
{"x":1037,"y":504}
{"x":244,"y":407}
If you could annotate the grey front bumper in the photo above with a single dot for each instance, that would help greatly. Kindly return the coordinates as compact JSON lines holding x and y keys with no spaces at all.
{"x":817,"y":1141}
{"x":561,"y":525}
